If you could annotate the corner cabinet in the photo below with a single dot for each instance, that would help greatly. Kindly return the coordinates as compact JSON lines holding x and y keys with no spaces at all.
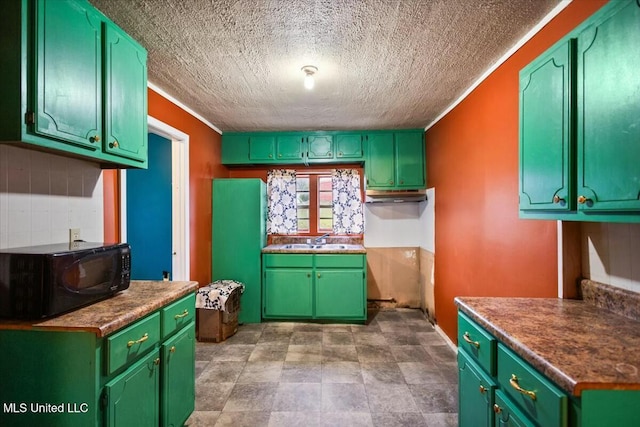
{"x":141,"y":375}
{"x":315,"y":286}
{"x":395,"y":161}
{"x":54,"y":45}
{"x":579,"y":138}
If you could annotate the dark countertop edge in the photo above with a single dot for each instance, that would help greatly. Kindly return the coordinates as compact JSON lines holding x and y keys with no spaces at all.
{"x":119,"y":321}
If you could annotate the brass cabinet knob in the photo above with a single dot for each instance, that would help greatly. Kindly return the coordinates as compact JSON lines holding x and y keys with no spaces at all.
{"x":339,"y":153}
{"x":497,"y":409}
{"x":558,"y":199}
{"x":270,"y":156}
{"x":157,"y":361}
{"x":582,"y":200}
{"x":172,"y":349}
{"x":95,"y":138}
{"x":114,"y":144}
{"x":482,"y":389}
{"x":318,"y":275}
{"x":391,"y":182}
{"x":280,"y":155}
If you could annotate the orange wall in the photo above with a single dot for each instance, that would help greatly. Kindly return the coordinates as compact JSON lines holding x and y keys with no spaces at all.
{"x":204,"y":165}
{"x":482,"y":248}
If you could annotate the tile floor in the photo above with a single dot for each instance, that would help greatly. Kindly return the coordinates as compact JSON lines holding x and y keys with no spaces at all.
{"x":393,"y":371}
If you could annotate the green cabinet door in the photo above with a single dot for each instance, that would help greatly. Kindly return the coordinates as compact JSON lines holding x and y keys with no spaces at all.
{"x":320,"y":147}
{"x":476,"y":394}
{"x":349,"y":146}
{"x":340,"y":293}
{"x":178,"y":378}
{"x":235,"y":149}
{"x":379,"y":166}
{"x":546,"y":135}
{"x":507,"y":414}
{"x":262,"y":148}
{"x":288,"y":293}
{"x":410,"y":160}
{"x":125,"y":103}
{"x":289,"y":148}
{"x":68,"y":61}
{"x":132,"y":398}
{"x":608,"y":111}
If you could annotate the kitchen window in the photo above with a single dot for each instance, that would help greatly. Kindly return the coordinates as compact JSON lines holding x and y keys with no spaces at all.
{"x":314,"y":203}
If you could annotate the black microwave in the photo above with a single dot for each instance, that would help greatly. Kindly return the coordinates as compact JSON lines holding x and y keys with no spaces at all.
{"x":44,"y":281}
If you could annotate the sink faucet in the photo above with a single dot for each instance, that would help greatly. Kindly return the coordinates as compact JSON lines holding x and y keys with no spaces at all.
{"x":321,"y":240}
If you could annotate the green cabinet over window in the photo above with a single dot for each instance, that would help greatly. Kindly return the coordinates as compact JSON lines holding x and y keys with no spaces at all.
{"x":315,"y":286}
{"x":73,"y":83}
{"x":579,"y":138}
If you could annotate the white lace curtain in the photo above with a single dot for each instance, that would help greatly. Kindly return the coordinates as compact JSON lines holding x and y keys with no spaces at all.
{"x":348,"y":215}
{"x":282,"y":215}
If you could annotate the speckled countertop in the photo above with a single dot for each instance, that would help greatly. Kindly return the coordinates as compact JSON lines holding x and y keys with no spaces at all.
{"x":575,"y":344}
{"x":105,"y":317}
{"x":333,"y":245}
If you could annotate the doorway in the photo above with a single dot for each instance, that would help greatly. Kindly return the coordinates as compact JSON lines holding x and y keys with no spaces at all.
{"x":145,"y":235}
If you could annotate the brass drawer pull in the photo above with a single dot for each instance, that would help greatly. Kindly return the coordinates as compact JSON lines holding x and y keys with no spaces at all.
{"x":141,"y":340}
{"x":180,"y":316}
{"x":514,"y":383}
{"x":466,"y":337}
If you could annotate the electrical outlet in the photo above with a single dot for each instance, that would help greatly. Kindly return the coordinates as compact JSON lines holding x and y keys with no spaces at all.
{"x":74,"y":235}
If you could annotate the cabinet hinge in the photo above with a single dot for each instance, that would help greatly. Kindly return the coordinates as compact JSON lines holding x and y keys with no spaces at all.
{"x":30,"y":117}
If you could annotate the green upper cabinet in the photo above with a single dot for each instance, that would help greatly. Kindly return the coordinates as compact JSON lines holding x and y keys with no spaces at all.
{"x":546,"y":148}
{"x":609,"y":111}
{"x":125,"y":103}
{"x":68,"y":51}
{"x":73,"y":83}
{"x":410,"y":160}
{"x":292,"y":148}
{"x":349,"y":146}
{"x":379,"y":166}
{"x":395,"y":161}
{"x":320,"y":147}
{"x":235,"y":149}
{"x":262,"y":148}
{"x":579,"y":132}
{"x":289,"y":148}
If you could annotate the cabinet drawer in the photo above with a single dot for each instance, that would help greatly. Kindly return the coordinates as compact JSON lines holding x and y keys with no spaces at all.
{"x":340,"y":261}
{"x":538,"y":397}
{"x":477,"y":342}
{"x":125,"y":346}
{"x":178,"y":314}
{"x":288,"y":260}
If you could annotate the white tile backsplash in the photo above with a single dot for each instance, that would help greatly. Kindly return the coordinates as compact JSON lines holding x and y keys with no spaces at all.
{"x":42,"y":195}
{"x":611,"y":254}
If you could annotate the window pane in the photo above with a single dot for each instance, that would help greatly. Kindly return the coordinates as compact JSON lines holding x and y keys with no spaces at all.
{"x":326,"y":213}
{"x":303,"y":213}
{"x":302,"y":183}
{"x":303,"y":225}
{"x":303,"y":199}
{"x":325,"y":225}
{"x":326,"y":198}
{"x":324,"y":183}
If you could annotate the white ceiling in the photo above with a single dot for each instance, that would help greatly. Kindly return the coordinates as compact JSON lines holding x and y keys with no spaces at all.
{"x":382,"y":64}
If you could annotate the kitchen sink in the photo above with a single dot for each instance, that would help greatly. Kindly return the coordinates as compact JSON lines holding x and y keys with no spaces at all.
{"x":328,"y":246}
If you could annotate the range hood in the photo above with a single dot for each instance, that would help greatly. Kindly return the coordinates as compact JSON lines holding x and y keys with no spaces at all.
{"x":395,"y":196}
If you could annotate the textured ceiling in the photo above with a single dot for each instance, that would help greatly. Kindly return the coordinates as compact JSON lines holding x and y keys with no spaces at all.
{"x":381,"y":63}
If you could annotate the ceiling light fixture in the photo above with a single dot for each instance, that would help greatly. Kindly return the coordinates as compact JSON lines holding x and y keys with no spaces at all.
{"x":309,"y":71}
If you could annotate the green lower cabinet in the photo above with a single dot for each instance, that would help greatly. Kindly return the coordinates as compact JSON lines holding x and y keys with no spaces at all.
{"x":288,"y":293}
{"x":178,"y":378}
{"x":315,"y":286}
{"x":476,"y":394}
{"x":339,"y":294}
{"x":507,"y":414}
{"x":132,"y":398}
